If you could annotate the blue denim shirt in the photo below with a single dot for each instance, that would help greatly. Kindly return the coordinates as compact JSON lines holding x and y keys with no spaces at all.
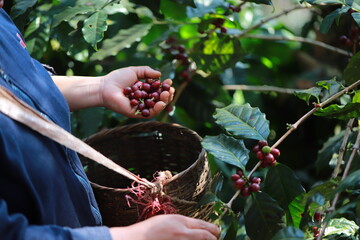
{"x":44,"y":192}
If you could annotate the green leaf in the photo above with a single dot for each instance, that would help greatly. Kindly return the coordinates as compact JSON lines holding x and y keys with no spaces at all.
{"x":283,"y":185}
{"x":217,"y":53}
{"x":350,"y":182}
{"x":352,"y":70}
{"x":356,"y":97}
{"x":125,"y":38}
{"x":203,"y":7}
{"x":263,"y":217}
{"x":330,"y":18}
{"x":289,"y":233}
{"x":21,"y":6}
{"x":94,"y":28}
{"x":341,"y":226}
{"x":227,"y":149}
{"x":243,"y":121}
{"x":296,"y":209}
{"x":356,"y":17}
{"x":70,"y":12}
{"x":343,"y":112}
{"x":37,"y":36}
{"x":173,"y":10}
{"x":308,"y":93}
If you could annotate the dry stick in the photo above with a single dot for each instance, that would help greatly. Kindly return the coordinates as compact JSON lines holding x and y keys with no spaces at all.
{"x":346,"y":171}
{"x":260,"y":88}
{"x":18,"y":110}
{"x":343,"y":148}
{"x":301,"y":39}
{"x":243,"y":33}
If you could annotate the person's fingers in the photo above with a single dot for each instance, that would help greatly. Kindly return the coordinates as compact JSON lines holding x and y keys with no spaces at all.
{"x":201,"y":234}
{"x":145,"y":72}
{"x":168,"y":81}
{"x":165,"y":97}
{"x":158,"y":107}
{"x":200,"y":224}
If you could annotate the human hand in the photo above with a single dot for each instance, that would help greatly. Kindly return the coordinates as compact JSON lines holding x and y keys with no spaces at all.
{"x":113,"y":84}
{"x":166,"y":227}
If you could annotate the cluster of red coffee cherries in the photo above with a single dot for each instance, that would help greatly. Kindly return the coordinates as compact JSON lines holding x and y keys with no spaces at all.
{"x":178,"y":52}
{"x":317,"y":219}
{"x":245,"y":185}
{"x":352,"y":38}
{"x":144,"y":95}
{"x":218,"y":23}
{"x":265,"y":154}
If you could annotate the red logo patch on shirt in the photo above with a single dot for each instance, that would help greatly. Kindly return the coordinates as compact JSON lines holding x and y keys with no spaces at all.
{"x":21,"y":40}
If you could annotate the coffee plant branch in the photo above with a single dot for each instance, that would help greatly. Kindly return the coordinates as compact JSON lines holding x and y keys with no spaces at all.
{"x":346,"y":171}
{"x":294,"y":126}
{"x":243,"y":33}
{"x":260,"y":88}
{"x":301,"y":39}
{"x":343,"y":147}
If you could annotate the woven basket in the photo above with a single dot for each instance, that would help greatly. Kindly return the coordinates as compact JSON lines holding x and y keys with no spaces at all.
{"x":146,"y":148}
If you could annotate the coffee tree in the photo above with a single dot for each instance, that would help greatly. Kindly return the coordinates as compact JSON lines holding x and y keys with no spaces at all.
{"x":253,"y":77}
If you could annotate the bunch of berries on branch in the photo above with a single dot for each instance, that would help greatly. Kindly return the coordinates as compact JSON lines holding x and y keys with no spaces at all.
{"x":245,"y":185}
{"x":144,"y":95}
{"x":265,"y":154}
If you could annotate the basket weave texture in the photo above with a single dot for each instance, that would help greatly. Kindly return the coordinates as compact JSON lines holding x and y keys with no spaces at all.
{"x":146,"y":148}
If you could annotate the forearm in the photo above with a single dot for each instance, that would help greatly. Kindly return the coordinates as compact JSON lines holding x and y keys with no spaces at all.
{"x":80,"y":91}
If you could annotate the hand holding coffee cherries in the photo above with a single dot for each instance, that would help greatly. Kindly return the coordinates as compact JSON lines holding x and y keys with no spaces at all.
{"x":116,"y":87}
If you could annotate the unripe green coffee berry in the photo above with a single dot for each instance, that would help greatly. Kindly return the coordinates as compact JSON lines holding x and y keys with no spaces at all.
{"x":266,"y":149}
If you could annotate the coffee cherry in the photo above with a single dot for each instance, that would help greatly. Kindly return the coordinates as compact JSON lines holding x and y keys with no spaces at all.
{"x":146,"y":87}
{"x":317,"y":216}
{"x":155,"y":85}
{"x":254,"y":187}
{"x":134,"y":102}
{"x":235,"y":177}
{"x":141,"y":106}
{"x":262,"y":143}
{"x":260,"y":155}
{"x":181,"y":48}
{"x":155,"y":96}
{"x":223,"y":30}
{"x":127,"y":91}
{"x":165,"y":87}
{"x":145,"y":112}
{"x":275,"y":152}
{"x":272,"y":164}
{"x":256,"y":148}
{"x":266,"y":149}
{"x":269,"y":158}
{"x":240,"y":173}
{"x":138,"y":94}
{"x":149,"y":103}
{"x":239,"y":184}
{"x":245,"y":192}
{"x":256,"y":180}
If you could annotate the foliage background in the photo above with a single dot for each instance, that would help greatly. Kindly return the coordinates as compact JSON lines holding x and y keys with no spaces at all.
{"x":94,"y":37}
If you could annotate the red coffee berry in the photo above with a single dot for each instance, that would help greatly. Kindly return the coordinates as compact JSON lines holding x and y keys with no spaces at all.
{"x":239,"y":184}
{"x":165,"y":87}
{"x":135,"y":88}
{"x":149,"y":103}
{"x":145,"y":112}
{"x":155,"y":96}
{"x":262,"y":143}
{"x":134,"y":102}
{"x":127,"y":91}
{"x":240,"y":172}
{"x":144,"y":94}
{"x":181,"y":48}
{"x":223,"y":30}
{"x":245,"y":192}
{"x":254,"y":187}
{"x":343,"y":39}
{"x":269,"y":158}
{"x":235,"y":177}
{"x":141,"y":106}
{"x":138,"y":94}
{"x":317,"y":216}
{"x":260,"y":155}
{"x":256,"y":148}
{"x":155,"y":85}
{"x":170,"y":40}
{"x":256,"y":180}
{"x":264,"y":164}
{"x":146,"y":87}
{"x":272,"y":164}
{"x":169,"y":108}
{"x":275,"y":152}
{"x":150,"y":80}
